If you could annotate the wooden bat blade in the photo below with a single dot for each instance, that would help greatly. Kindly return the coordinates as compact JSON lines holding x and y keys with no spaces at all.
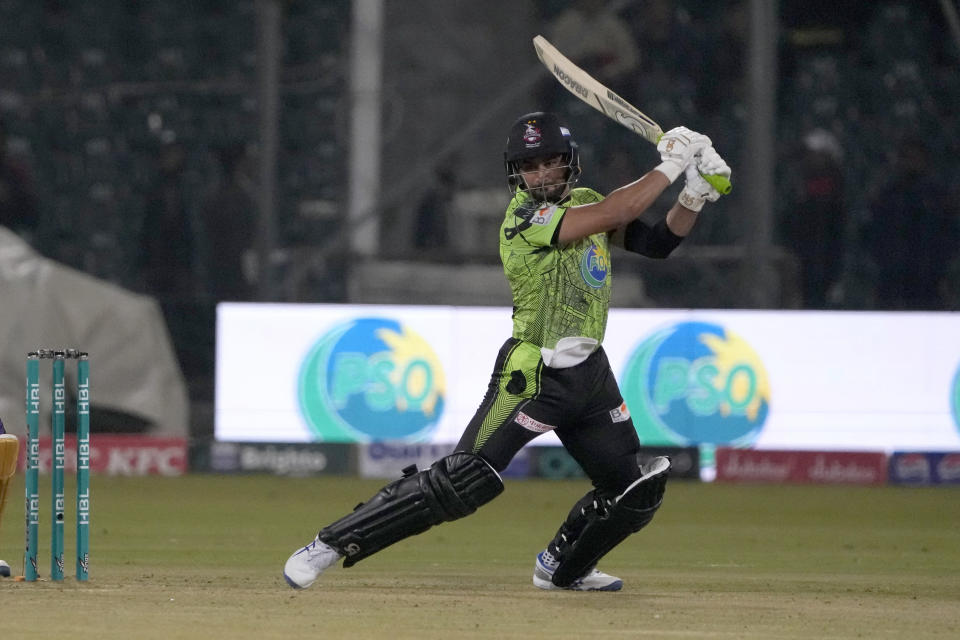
{"x":588,"y":89}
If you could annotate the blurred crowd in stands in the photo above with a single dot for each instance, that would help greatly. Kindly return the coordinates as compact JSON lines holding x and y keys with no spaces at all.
{"x":128,"y":142}
{"x":128,"y":138}
{"x":866,"y":192}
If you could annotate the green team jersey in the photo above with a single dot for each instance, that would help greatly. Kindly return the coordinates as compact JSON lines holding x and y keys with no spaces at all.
{"x":558,"y":291}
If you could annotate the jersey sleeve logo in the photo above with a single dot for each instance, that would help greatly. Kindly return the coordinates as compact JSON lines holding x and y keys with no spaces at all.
{"x":528,"y":215}
{"x":543,"y":215}
{"x":523,"y":214}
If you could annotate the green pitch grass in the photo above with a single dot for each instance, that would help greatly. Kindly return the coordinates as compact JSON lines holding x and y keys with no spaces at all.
{"x":201,"y":557}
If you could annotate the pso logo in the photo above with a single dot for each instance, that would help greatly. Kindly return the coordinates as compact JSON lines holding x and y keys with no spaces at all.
{"x":594,"y":266}
{"x":696,"y":383}
{"x":371,"y":379}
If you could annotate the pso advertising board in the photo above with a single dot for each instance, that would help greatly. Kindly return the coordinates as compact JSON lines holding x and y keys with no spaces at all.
{"x":763,"y":379}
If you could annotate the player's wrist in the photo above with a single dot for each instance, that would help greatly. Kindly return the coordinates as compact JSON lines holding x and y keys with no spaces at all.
{"x":691,"y":200}
{"x":670,"y":169}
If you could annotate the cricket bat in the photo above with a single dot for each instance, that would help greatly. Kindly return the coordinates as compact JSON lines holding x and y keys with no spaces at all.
{"x":587,"y":88}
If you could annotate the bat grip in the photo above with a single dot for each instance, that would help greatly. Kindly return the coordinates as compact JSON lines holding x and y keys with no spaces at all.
{"x":720,"y":183}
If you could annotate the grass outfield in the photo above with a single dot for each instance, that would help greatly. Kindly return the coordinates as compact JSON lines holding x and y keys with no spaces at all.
{"x":201,"y":557}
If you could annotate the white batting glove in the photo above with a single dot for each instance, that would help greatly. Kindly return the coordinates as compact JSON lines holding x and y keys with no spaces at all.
{"x":711,"y":164}
{"x":697,"y":190}
{"x":677,"y":149}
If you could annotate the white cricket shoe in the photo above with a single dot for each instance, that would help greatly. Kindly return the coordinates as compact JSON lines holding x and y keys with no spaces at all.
{"x":594,"y":580}
{"x":306,"y":564}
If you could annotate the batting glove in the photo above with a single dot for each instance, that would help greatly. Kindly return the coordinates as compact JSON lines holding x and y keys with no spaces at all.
{"x":697,"y":190}
{"x":709,"y":163}
{"x":677,"y":149}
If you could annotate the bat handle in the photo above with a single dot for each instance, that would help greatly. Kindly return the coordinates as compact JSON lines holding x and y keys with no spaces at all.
{"x":720,"y":183}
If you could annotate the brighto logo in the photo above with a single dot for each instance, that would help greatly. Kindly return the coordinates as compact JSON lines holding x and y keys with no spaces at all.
{"x":696,"y":383}
{"x":371,"y":379}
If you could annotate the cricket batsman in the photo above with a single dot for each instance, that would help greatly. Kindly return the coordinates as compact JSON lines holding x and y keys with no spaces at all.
{"x":552,"y":374}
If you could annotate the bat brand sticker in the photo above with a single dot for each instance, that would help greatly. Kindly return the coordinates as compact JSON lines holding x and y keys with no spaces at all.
{"x":572,"y":84}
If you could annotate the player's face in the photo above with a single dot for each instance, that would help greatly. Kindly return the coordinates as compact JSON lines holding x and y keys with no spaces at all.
{"x":545,"y":178}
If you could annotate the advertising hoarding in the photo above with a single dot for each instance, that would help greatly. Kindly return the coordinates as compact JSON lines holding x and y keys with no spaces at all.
{"x":762,"y":379}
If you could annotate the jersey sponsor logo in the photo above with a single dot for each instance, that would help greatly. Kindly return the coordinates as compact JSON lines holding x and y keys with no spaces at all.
{"x":620,"y":414}
{"x":543,"y":215}
{"x":594,"y":266}
{"x":530,"y":424}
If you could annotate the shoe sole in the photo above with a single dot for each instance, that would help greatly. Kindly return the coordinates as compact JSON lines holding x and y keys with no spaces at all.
{"x":613,"y":586}
{"x":292,"y":583}
{"x":541,"y":580}
{"x":549,"y":586}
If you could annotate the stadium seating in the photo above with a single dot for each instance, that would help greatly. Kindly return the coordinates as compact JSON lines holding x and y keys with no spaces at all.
{"x":90,"y":92}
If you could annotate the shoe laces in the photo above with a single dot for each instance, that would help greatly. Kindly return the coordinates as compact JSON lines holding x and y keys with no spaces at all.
{"x":549,"y":561}
{"x":315,"y":552}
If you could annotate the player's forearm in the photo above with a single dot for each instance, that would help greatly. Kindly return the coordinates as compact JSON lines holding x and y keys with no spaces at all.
{"x":620,"y":208}
{"x":680,"y":220}
{"x":631,"y":200}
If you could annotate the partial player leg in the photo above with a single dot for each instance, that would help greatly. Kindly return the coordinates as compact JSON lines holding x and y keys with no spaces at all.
{"x":453,"y":487}
{"x":497,"y":430}
{"x":600,"y":525}
{"x":549,"y":559}
{"x":624,"y":499}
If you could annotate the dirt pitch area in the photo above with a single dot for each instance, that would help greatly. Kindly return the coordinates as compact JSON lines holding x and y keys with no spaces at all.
{"x":200,"y":557}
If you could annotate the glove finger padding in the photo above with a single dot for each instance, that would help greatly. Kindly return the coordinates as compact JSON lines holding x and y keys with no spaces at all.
{"x":696,"y":190}
{"x":710,"y":163}
{"x":677,"y":148}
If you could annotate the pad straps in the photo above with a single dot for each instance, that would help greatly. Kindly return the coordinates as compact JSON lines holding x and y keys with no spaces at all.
{"x":453,"y":487}
{"x":607,"y":523}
